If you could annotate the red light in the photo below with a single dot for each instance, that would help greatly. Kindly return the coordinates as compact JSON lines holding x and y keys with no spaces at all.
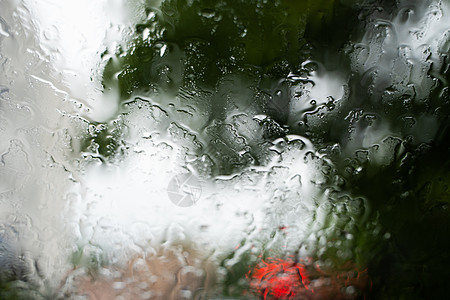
{"x":276,"y":278}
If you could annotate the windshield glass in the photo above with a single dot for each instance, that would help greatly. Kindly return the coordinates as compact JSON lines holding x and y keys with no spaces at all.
{"x":232,"y":149}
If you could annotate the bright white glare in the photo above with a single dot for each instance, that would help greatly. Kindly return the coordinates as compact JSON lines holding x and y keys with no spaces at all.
{"x":400,"y":52}
{"x":75,"y":33}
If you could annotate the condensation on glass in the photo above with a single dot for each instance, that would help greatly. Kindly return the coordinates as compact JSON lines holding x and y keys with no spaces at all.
{"x":223,"y":149}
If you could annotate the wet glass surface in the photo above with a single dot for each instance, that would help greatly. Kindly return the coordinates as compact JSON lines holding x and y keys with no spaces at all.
{"x":224,"y":149}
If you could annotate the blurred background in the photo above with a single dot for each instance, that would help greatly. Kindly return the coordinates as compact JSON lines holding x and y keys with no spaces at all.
{"x":225,"y":149}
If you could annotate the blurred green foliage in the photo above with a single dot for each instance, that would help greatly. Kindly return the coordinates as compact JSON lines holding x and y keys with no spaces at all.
{"x":204,"y":40}
{"x":217,"y":55}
